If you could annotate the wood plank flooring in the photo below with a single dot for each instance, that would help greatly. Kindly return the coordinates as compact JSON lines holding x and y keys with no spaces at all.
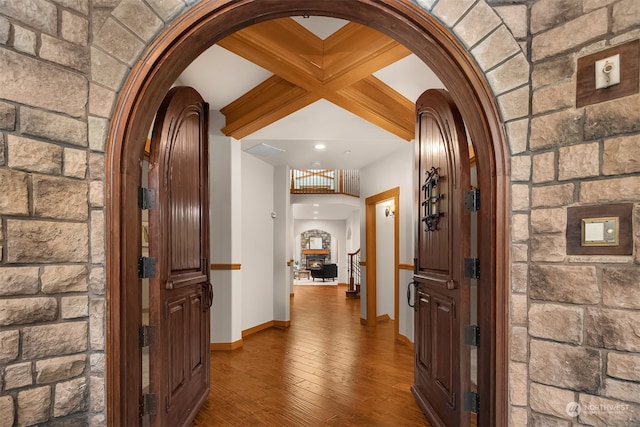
{"x":325,"y":370}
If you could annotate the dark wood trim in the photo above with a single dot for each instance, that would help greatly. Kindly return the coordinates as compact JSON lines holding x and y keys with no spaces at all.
{"x":315,"y":251}
{"x":586,"y":92}
{"x":202,"y":26}
{"x":258,"y":328}
{"x":383,"y":318}
{"x":227,"y":346}
{"x":226,"y":266}
{"x":404,"y":341}
{"x":624,"y":212}
{"x":282,"y":324}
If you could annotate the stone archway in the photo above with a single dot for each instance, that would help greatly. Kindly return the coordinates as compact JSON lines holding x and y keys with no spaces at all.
{"x":200,"y":27}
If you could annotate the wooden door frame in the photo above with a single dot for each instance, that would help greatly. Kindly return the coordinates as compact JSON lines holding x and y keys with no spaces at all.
{"x":371,"y":256}
{"x":182,"y":42}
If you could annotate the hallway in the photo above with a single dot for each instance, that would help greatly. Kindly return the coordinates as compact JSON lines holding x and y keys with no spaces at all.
{"x":326,"y":369}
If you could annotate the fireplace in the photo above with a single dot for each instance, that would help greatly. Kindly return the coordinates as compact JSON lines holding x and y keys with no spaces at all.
{"x":315,"y":262}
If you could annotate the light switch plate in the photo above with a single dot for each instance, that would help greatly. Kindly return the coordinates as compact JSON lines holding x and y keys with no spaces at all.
{"x":608,"y":72}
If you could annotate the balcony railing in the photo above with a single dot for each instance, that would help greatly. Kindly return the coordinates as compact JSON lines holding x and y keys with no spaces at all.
{"x":325,"y":181}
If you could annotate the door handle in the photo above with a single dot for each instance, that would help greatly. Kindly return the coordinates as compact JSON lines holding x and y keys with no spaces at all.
{"x":207,"y":295}
{"x":415,"y":284}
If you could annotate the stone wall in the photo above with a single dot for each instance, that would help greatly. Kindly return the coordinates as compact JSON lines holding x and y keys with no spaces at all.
{"x":573,"y":320}
{"x":62,"y":64}
{"x":572,"y":317}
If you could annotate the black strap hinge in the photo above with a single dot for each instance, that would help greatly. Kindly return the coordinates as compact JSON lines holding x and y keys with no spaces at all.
{"x":472,"y":200}
{"x":147,"y":335}
{"x":146,"y":267}
{"x":471,"y":402}
{"x":472,"y":335}
{"x":146,"y":198}
{"x":148,"y":404}
{"x":472,"y":268}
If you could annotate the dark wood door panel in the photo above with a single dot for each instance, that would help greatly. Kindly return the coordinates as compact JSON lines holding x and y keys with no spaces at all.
{"x":442,"y":242}
{"x":180,"y":294}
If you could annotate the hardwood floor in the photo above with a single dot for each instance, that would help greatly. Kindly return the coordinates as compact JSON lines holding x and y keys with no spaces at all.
{"x":325,"y":370}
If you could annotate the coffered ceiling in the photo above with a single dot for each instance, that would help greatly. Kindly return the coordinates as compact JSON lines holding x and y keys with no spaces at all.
{"x":294,"y":82}
{"x":307,"y":68}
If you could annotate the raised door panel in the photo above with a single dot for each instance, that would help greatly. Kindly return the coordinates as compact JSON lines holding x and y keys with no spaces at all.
{"x":178,"y":332}
{"x":434,"y":198}
{"x":184,"y":184}
{"x":423,"y":322}
{"x":444,"y":319}
{"x":196,"y":345}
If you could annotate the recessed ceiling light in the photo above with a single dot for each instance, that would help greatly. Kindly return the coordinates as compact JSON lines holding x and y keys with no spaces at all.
{"x":315,"y":217}
{"x":315,"y":164}
{"x":315,"y":205}
{"x":319,"y":146}
{"x":347,"y":152}
{"x":316,"y":212}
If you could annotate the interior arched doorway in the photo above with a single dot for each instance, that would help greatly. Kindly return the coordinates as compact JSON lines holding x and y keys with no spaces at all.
{"x":202,"y":26}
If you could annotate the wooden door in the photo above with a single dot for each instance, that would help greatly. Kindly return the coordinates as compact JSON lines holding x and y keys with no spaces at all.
{"x":180,"y":293}
{"x":442,"y":242}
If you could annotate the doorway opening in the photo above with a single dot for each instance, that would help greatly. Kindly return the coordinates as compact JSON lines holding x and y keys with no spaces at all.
{"x":201,"y":27}
{"x":372,"y":205}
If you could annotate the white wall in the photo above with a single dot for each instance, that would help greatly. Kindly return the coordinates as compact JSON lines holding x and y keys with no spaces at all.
{"x":393,"y":171}
{"x":385,"y":268}
{"x":282,"y":248}
{"x":257,"y":241}
{"x":225,"y":205}
{"x":337,"y":229}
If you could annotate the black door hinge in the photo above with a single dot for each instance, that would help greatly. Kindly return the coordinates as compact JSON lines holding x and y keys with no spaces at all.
{"x":146,"y":198}
{"x":472,"y":335}
{"x":147,"y":335}
{"x":472,"y":200}
{"x":148,"y":404}
{"x":472,"y":268}
{"x":146,"y":267}
{"x":471,"y":402}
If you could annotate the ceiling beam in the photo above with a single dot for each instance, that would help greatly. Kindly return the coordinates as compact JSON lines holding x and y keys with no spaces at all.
{"x":270,"y":101}
{"x":372,"y":98}
{"x":307,"y":69}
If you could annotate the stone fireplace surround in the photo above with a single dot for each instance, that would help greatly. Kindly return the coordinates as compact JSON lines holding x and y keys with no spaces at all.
{"x":326,"y":248}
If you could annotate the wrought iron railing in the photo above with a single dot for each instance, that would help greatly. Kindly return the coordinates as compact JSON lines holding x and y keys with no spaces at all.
{"x":325,"y":181}
{"x":354,"y":272}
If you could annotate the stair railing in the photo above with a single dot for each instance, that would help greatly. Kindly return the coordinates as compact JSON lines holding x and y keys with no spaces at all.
{"x":354,"y":271}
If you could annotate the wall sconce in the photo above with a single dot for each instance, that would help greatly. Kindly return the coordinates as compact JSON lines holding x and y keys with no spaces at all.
{"x":390,"y":210}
